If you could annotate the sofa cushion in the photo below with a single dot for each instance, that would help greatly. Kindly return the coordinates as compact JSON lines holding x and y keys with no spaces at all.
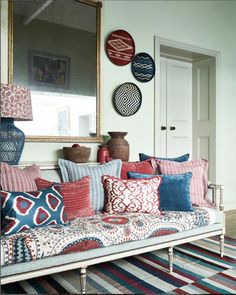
{"x":132,"y":195}
{"x":102,"y":231}
{"x":183,"y":158}
{"x":72,"y":172}
{"x":174,"y":191}
{"x":76,"y":196}
{"x":25,"y":210}
{"x":16,"y":179}
{"x":139,"y":167}
{"x":199,"y":181}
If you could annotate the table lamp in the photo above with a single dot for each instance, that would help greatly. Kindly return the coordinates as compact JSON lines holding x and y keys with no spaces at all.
{"x":15,"y":105}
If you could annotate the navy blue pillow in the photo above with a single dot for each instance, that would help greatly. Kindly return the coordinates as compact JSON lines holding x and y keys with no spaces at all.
{"x":143,"y":157}
{"x":174,"y":190}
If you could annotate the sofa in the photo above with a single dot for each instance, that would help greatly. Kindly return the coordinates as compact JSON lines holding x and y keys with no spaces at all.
{"x":105,"y":227}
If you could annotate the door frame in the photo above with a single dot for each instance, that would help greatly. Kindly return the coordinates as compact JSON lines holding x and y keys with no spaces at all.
{"x":158,"y":41}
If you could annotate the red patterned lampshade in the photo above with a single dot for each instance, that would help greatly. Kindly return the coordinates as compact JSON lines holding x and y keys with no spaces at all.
{"x":16,"y":102}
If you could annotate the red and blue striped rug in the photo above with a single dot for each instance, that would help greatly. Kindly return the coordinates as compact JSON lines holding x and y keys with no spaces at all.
{"x":198,"y":269}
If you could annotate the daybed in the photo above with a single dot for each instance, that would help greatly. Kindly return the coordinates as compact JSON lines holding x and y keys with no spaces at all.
{"x":102,"y":237}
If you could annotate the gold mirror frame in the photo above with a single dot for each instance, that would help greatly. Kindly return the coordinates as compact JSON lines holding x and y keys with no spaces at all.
{"x":98,"y":138}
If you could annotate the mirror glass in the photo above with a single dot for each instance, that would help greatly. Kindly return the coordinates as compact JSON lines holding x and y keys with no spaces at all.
{"x":56,"y":54}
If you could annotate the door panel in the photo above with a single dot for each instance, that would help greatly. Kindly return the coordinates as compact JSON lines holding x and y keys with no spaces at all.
{"x":204,"y":110}
{"x":178,"y":102}
{"x":163,"y":132}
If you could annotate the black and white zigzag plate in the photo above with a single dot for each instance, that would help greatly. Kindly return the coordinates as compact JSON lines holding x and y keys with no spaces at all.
{"x":127,"y":99}
{"x":143,"y":67}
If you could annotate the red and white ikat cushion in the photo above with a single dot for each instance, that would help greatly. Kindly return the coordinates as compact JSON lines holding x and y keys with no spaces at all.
{"x":132,"y":195}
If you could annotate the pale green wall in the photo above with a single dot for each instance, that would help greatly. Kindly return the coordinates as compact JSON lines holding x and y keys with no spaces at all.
{"x":207,"y":24}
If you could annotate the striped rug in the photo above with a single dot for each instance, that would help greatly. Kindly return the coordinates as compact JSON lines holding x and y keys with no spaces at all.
{"x":198,"y":269}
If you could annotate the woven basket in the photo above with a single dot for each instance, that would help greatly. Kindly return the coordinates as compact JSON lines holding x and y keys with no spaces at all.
{"x":77,"y":154}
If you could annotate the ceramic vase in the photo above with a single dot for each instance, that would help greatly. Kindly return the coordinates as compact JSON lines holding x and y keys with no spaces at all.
{"x":118,"y":146}
{"x":103,"y":154}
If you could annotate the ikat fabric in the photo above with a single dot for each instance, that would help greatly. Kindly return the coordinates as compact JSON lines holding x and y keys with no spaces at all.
{"x":21,"y":210}
{"x":100,"y":230}
{"x":132,"y":195}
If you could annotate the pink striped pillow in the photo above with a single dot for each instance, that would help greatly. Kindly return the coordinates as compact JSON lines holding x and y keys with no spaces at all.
{"x":198,"y":185}
{"x":14,"y":179}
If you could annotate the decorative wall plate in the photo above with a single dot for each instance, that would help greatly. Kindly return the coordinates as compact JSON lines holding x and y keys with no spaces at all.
{"x":120,"y":47}
{"x":127,"y":99}
{"x":143,"y":67}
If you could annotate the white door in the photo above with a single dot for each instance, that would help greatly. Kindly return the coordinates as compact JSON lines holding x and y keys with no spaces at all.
{"x":204,"y":113}
{"x":176,"y":108}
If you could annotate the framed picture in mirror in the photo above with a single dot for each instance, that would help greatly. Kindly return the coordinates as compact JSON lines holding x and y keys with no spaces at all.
{"x":49,"y":69}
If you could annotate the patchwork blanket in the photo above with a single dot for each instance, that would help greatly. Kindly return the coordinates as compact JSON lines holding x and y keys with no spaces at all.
{"x":100,"y":230}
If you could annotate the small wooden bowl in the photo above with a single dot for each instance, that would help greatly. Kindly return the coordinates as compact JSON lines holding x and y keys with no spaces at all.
{"x":77,"y":154}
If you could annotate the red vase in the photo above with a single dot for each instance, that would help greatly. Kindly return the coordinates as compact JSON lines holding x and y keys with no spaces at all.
{"x":103,"y":154}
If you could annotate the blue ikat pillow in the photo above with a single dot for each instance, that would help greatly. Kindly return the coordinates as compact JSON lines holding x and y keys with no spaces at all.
{"x":26,"y":210}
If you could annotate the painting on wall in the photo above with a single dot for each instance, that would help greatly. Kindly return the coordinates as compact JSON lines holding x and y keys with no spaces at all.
{"x":48,"y":70}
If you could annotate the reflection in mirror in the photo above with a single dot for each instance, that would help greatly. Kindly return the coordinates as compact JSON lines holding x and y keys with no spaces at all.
{"x":56,"y":54}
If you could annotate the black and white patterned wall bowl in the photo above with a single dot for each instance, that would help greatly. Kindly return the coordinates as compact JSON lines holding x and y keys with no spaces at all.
{"x":127,"y":99}
{"x":143,"y":67}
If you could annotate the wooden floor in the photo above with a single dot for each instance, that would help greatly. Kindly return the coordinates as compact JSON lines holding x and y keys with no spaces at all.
{"x":230,"y":224}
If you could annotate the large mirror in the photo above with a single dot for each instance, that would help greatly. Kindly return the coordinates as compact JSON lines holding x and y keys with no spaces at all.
{"x":55,"y":51}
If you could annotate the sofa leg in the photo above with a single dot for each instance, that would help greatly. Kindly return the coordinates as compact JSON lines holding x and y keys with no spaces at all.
{"x":83,"y":280}
{"x":171,"y":256}
{"x":222,"y":239}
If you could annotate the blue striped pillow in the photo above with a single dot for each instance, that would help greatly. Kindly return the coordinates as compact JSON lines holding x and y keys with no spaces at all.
{"x":72,"y":172}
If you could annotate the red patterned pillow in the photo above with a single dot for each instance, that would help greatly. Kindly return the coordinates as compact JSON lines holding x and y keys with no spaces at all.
{"x":132,"y":195}
{"x":199,"y":181}
{"x":15,"y":179}
{"x":144,"y":167}
{"x":76,"y":196}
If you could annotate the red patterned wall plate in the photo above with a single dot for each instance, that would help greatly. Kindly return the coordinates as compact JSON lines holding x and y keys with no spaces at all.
{"x":120,"y":47}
